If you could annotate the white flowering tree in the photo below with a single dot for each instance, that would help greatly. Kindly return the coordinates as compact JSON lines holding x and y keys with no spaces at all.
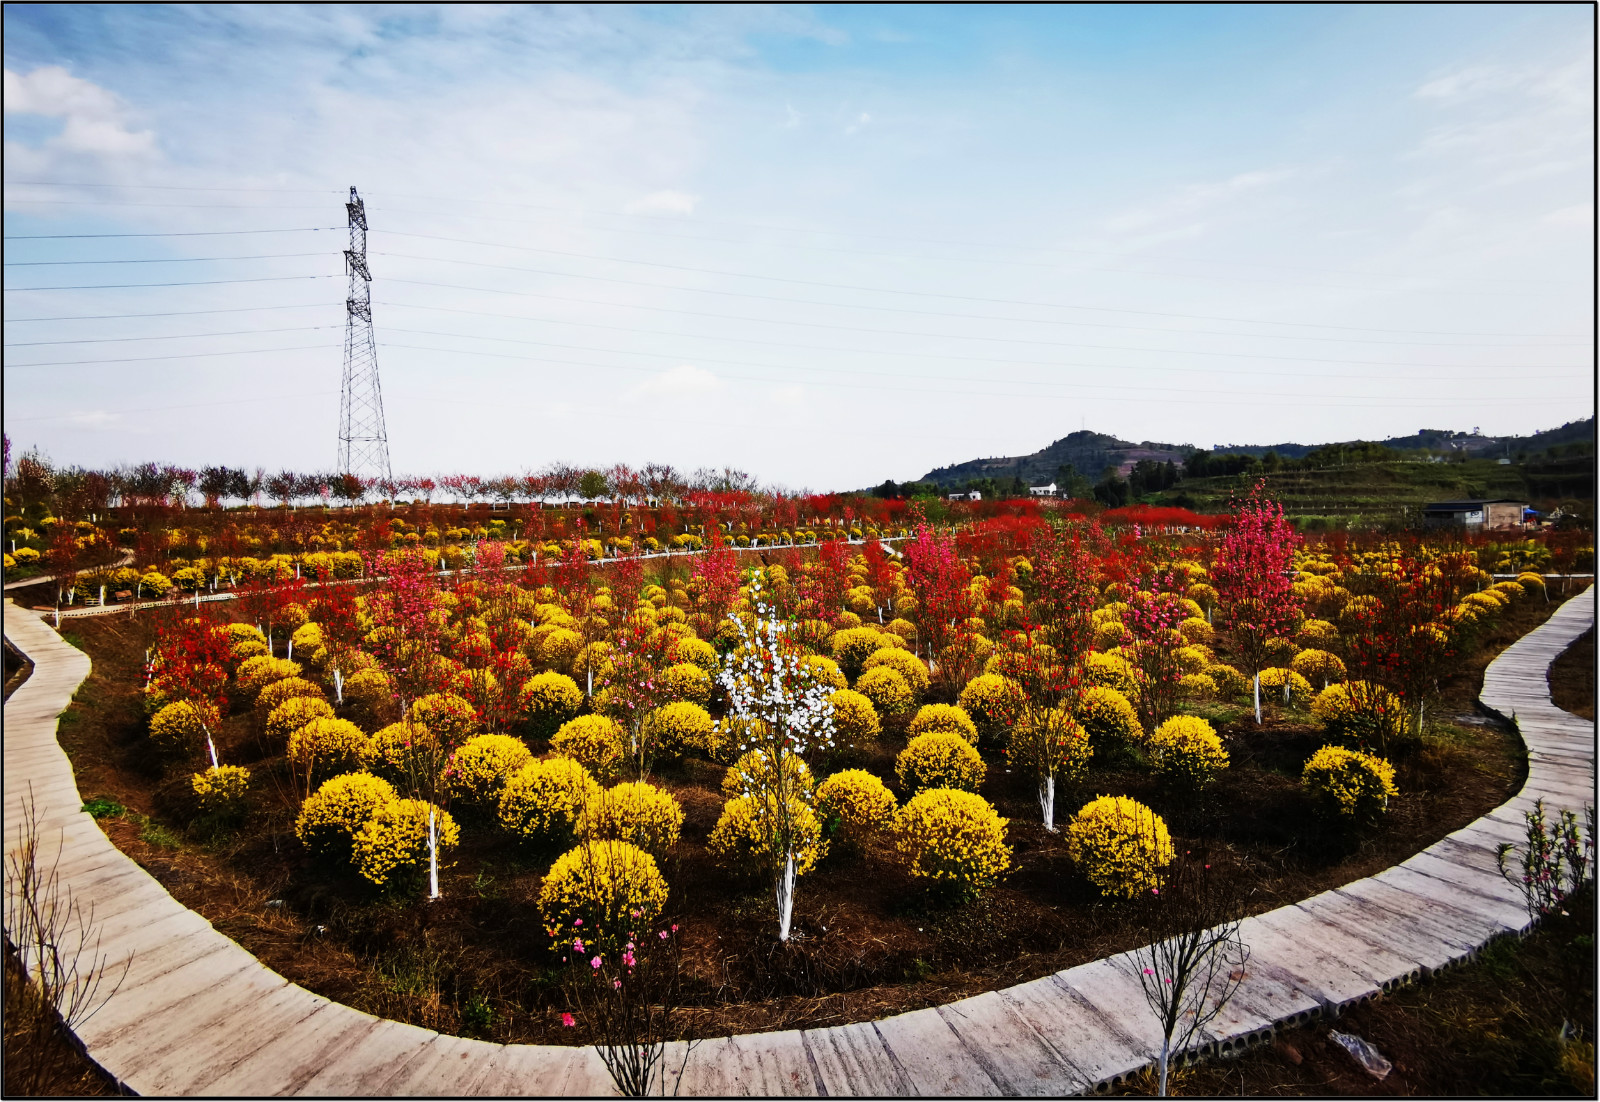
{"x":783,"y":710}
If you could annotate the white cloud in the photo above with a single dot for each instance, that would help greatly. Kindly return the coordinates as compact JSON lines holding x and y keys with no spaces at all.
{"x":1193,"y":198}
{"x":683,"y":381}
{"x":1578,"y":217}
{"x":664,"y":202}
{"x":96,"y":120}
{"x":859,"y":124}
{"x":1472,"y":81}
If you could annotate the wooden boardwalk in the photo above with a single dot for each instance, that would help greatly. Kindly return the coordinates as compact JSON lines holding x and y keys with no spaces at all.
{"x":197,"y":1014}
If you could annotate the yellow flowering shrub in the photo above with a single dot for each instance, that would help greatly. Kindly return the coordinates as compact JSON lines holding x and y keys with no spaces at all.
{"x":1197,"y":686}
{"x":392,"y":845}
{"x":542,"y":802}
{"x":687,"y":682}
{"x":679,"y":727}
{"x":1273,"y":679}
{"x":326,"y":746}
{"x":1195,"y":629}
{"x":1318,"y":667}
{"x":277,"y":692}
{"x":308,"y":637}
{"x":697,"y":651}
{"x":294,"y":714}
{"x":479,"y":769}
{"x":1316,"y":633}
{"x":986,"y":699}
{"x":1120,"y":845}
{"x":248,"y":648}
{"x":546,"y":701}
{"x":600,"y":892}
{"x":180,"y":727}
{"x":1192,"y":659}
{"x":904,"y":628}
{"x":742,"y":840}
{"x":294,"y":615}
{"x":368,"y":688}
{"x":634,"y":811}
{"x":855,"y":720}
{"x":1186,"y":751}
{"x":255,"y":674}
{"x":753,"y":771}
{"x":1532,"y":583}
{"x":404,"y":752}
{"x":861,"y":804}
{"x":558,"y":647}
{"x":592,"y":658}
{"x":943,"y":717}
{"x":903,"y":662}
{"x":222,"y":788}
{"x":450,"y":717}
{"x":238,"y":633}
{"x":1229,"y":681}
{"x":331,"y":815}
{"x":1360,"y":710}
{"x":940,"y":759}
{"x":853,"y":646}
{"x":890,"y":695}
{"x":594,"y":740}
{"x":825,"y":670}
{"x":1108,"y":717}
{"x":953,"y":838}
{"x":1348,"y":783}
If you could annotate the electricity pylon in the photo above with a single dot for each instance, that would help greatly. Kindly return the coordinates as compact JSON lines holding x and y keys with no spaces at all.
{"x":363,"y":439}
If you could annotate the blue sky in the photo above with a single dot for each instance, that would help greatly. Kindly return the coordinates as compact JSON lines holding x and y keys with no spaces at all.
{"x":828,"y":245}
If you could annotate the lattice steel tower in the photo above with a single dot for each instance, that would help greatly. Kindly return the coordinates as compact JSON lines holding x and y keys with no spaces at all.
{"x":363,"y":439}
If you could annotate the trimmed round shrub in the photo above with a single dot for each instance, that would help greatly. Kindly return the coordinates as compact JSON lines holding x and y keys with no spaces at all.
{"x":391,"y":847}
{"x":368,"y":689}
{"x":753,"y":772}
{"x":238,"y":633}
{"x":1532,"y":583}
{"x":1273,"y":679}
{"x":221,"y":790}
{"x":1195,"y":629}
{"x":940,"y":759}
{"x":600,"y":892}
{"x":1349,"y":784}
{"x":541,"y":802}
{"x":697,"y":651}
{"x":687,"y":682}
{"x":988,"y":700}
{"x":332,"y":814}
{"x":1108,"y":717}
{"x":277,"y":692}
{"x":594,"y":740}
{"x":1120,"y":845}
{"x":943,"y":717}
{"x":480,"y":768}
{"x":1186,"y":751}
{"x":1318,"y":667}
{"x":255,"y":674}
{"x":953,"y":838}
{"x":853,"y":646}
{"x":855,"y":720}
{"x":634,"y":811}
{"x":1110,"y":633}
{"x":903,"y":662}
{"x":891,"y":696}
{"x":294,"y":714}
{"x":680,"y":727}
{"x":1360,"y":710}
{"x":1197,"y":686}
{"x":825,"y":670}
{"x":1229,"y":681}
{"x":326,"y":746}
{"x":1191,"y":660}
{"x":1316,"y":633}
{"x":547,"y":700}
{"x":558,"y":648}
{"x":450,"y":717}
{"x":180,"y":727}
{"x":248,"y":648}
{"x":742,"y":840}
{"x":593,"y":658}
{"x":404,"y":752}
{"x":905,"y":629}
{"x":861,"y":804}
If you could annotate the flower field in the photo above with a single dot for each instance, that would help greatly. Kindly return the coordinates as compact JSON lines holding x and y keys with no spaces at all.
{"x":842,"y":761}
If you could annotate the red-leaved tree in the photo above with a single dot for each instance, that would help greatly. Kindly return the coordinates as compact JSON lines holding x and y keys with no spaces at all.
{"x":1252,"y":579}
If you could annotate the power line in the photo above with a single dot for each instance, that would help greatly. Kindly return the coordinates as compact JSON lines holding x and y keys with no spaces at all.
{"x":198,"y":283}
{"x":169,"y":187}
{"x":912,"y":333}
{"x":187,"y":233}
{"x":186,"y":206}
{"x":294,"y":397}
{"x":169,"y":313}
{"x":176,"y":356}
{"x":156,"y":260}
{"x":168,"y":336}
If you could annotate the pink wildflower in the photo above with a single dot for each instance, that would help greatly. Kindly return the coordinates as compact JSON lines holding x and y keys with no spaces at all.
{"x":568,"y":1020}
{"x":595,"y":963}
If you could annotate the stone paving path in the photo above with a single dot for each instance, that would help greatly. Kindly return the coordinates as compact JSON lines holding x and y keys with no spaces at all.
{"x":197,"y":1014}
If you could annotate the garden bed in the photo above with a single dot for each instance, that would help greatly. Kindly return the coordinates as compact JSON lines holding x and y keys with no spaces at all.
{"x":870,"y":943}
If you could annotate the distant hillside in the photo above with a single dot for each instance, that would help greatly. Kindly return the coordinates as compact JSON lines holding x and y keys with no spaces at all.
{"x":1087,"y":455}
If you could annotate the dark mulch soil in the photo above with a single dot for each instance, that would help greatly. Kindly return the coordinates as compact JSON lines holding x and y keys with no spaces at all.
{"x":1572,"y":677}
{"x":42,"y":1059}
{"x":870,"y":943}
{"x":1490,"y":1028}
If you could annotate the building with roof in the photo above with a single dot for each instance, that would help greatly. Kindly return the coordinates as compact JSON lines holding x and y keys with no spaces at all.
{"x":1475,"y":513}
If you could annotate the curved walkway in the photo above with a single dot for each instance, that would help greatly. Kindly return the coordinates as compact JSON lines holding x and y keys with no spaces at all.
{"x":197,"y":1014}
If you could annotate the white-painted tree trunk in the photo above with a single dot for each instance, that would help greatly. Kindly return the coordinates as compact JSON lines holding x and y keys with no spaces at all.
{"x":290,"y":653}
{"x":433,"y":857}
{"x":338,"y":686}
{"x":591,"y":682}
{"x":1166,"y":1049}
{"x":785,"y":896}
{"x":1285,"y":692}
{"x":102,"y":596}
{"x":1047,"y":803}
{"x":1257,"y":686}
{"x":213,"y":748}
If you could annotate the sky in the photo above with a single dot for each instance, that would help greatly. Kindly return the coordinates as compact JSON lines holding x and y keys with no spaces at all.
{"x":828,"y":245}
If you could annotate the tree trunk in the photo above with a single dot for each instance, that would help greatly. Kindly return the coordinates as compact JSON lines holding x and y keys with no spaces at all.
{"x":1166,"y":1049}
{"x":1047,"y":803}
{"x":433,"y":857}
{"x":1257,"y":688}
{"x":785,"y":894}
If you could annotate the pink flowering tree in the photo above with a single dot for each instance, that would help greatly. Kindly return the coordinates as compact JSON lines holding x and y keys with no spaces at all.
{"x":1152,"y":617}
{"x":1252,"y":579}
{"x":941,"y":582}
{"x":631,"y":689}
